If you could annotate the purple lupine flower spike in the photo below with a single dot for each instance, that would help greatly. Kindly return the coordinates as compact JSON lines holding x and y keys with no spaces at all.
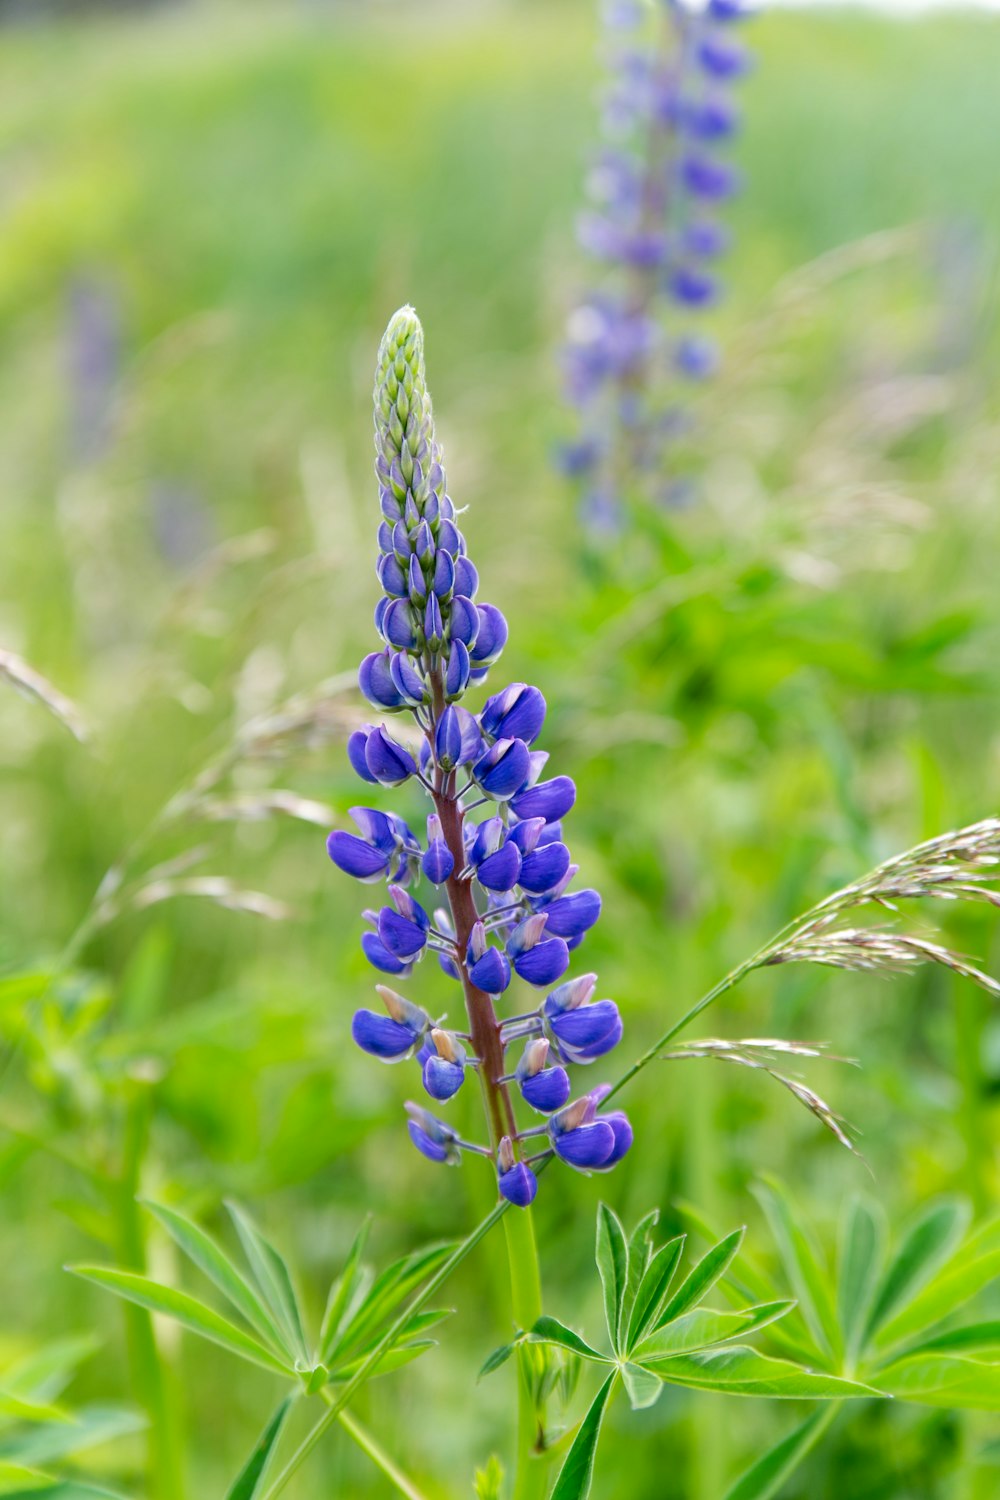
{"x":654,"y":191}
{"x":506,"y":905}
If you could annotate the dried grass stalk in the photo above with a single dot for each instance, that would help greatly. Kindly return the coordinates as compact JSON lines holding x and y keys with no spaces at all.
{"x":758,"y":1054}
{"x":216,"y":888}
{"x":16,"y":671}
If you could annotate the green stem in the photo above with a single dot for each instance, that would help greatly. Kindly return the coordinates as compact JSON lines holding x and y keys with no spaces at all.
{"x":729,"y":982}
{"x":378,"y":1455}
{"x":147,"y":1375}
{"x":526,"y":1305}
{"x":969,"y":1020}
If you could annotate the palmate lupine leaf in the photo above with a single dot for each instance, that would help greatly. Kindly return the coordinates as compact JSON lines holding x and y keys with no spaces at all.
{"x":355,"y":1335}
{"x":889,"y":1314}
{"x":659,"y":1339}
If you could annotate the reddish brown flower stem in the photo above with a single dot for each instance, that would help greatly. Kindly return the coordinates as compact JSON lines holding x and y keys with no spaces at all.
{"x":483,"y":1023}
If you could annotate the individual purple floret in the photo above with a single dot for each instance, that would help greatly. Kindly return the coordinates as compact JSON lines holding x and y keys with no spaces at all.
{"x":517,"y":1182}
{"x":587,"y":1140}
{"x":494,"y":844}
{"x":655,"y":190}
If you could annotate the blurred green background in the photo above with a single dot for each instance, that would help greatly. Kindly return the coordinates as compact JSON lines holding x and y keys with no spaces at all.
{"x":209,"y":211}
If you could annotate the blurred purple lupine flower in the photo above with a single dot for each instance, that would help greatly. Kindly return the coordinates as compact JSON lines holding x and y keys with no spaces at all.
{"x":655,"y":190}
{"x":510,"y":914}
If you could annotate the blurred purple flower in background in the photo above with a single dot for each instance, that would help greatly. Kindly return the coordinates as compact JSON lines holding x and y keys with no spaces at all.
{"x":655,"y":191}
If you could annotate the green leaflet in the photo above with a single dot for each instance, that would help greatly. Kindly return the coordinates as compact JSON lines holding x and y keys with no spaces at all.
{"x":342,"y":1294}
{"x":741,"y":1371}
{"x":577,"y":1472}
{"x":807,"y":1276}
{"x":185,"y":1310}
{"x":922,"y":1251}
{"x":550,"y":1331}
{"x":944,"y":1380}
{"x":653,"y":1290}
{"x":962,"y":1279}
{"x":272,"y":1276}
{"x":858,"y":1269}
{"x":612,"y":1263}
{"x":702,"y":1277}
{"x":642,"y":1386}
{"x":387,"y":1292}
{"x":703,"y":1327}
{"x":985,"y":1335}
{"x":210,"y":1258}
{"x":247,"y":1484}
{"x":766,"y":1476}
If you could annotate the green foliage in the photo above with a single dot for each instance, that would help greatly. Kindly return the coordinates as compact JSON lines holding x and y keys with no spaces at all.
{"x":356,"y":1325}
{"x":888,"y":1321}
{"x":249,"y":1482}
{"x":672,"y":1339}
{"x":40,"y":1434}
{"x":757,"y":697}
